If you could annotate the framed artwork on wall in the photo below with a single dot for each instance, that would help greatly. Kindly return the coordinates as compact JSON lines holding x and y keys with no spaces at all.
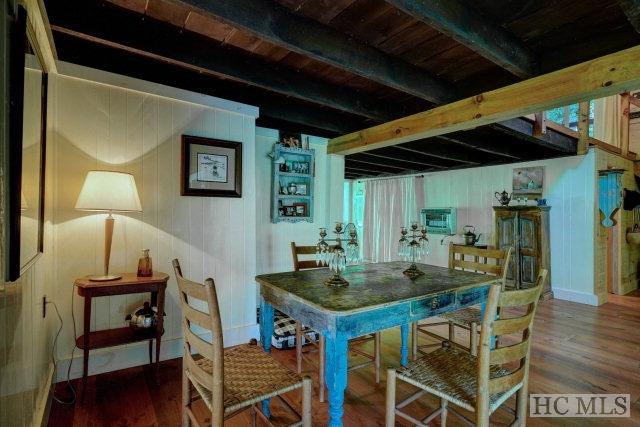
{"x":528,"y":180}
{"x":210,"y":167}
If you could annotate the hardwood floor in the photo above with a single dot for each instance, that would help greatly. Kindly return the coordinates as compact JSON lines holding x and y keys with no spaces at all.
{"x":576,"y":349}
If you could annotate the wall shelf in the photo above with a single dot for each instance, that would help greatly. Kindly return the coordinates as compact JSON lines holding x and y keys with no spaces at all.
{"x":296,"y":171}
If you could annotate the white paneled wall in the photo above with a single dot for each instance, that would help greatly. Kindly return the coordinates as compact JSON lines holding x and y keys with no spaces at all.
{"x":570,"y":190}
{"x":274,"y":250}
{"x":100,"y":126}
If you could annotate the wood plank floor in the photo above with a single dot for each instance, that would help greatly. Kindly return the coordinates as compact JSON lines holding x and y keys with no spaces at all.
{"x":577,"y":349}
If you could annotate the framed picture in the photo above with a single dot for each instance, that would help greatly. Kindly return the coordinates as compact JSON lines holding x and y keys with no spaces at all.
{"x":301,"y":189}
{"x":211,"y":167}
{"x":291,"y":139}
{"x":528,"y":180}
{"x":300,"y":167}
{"x":289,"y":211}
{"x":300,"y":209}
{"x":27,"y":135}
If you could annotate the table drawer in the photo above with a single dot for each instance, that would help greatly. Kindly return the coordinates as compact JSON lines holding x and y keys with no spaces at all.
{"x":473,"y":296}
{"x":436,"y":304}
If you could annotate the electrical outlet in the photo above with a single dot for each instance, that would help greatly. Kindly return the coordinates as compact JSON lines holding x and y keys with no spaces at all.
{"x":44,"y":306}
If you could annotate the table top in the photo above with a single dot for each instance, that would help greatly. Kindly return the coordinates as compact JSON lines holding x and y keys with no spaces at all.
{"x":128,"y":279}
{"x":371,"y":285}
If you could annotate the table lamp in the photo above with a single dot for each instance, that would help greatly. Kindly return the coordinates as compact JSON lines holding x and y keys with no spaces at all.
{"x":106,"y":191}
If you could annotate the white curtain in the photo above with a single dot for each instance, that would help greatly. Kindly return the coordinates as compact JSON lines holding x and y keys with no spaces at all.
{"x":606,"y":120}
{"x":388,"y":205}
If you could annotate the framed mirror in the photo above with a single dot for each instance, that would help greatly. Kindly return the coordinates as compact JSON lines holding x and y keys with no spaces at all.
{"x":27,"y":129}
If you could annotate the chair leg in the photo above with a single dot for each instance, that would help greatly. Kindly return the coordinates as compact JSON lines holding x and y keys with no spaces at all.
{"x":414,"y":340}
{"x":390,"y":417}
{"x":443,"y":412}
{"x":376,"y":353}
{"x":473,"y":340}
{"x":522,"y":397}
{"x":452,"y":331}
{"x":321,"y":363}
{"x":299,"y":346}
{"x":186,"y":400}
{"x":306,"y":401}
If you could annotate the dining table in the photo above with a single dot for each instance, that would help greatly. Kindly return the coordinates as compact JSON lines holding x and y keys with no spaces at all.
{"x":379,"y":296}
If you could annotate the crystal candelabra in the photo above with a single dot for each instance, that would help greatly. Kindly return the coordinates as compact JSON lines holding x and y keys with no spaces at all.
{"x":337,"y":257}
{"x":412,"y":246}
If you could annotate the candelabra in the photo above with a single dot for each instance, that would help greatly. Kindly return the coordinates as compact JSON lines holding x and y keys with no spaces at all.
{"x":336,"y":256}
{"x":412,"y":247}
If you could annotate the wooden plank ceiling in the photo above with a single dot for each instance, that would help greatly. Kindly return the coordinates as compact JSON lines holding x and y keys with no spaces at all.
{"x":330,"y":67}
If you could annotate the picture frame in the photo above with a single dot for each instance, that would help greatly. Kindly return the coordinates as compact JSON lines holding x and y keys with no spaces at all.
{"x":301,"y":189}
{"x":300,"y":209}
{"x":210,"y":167}
{"x":27,"y":150}
{"x":528,"y":181}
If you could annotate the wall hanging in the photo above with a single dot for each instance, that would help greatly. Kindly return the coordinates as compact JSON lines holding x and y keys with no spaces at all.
{"x":609,"y":194}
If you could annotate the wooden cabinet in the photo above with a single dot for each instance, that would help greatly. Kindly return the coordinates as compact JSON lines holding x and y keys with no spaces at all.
{"x":526,"y":229}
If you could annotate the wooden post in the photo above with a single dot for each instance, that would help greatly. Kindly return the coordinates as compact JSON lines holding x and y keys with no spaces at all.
{"x":540,"y":125}
{"x":583,"y":128}
{"x":624,"y":123}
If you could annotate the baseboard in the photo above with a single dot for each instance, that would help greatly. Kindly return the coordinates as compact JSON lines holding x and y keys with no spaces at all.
{"x":576,"y":296}
{"x":123,"y":357}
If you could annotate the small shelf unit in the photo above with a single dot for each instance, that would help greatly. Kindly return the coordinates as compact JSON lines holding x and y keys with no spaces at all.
{"x":292,"y":185}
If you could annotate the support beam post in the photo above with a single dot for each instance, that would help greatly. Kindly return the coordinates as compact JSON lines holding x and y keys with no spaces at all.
{"x":583,"y":128}
{"x":624,"y":123}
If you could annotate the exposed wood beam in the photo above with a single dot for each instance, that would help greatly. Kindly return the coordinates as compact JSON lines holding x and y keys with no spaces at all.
{"x":608,"y":75}
{"x":540,"y":124}
{"x":273,"y":107}
{"x":631,"y":9}
{"x":377,"y":165}
{"x":270,"y":21}
{"x":391,"y":156}
{"x":480,"y":145}
{"x":624,"y":123}
{"x":41,"y":32}
{"x":440,"y":151}
{"x":459,"y":21}
{"x":522,"y":128}
{"x":145,"y":36}
{"x":358,"y":169}
{"x":583,"y":127}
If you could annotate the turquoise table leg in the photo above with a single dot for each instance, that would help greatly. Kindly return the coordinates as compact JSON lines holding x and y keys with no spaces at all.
{"x":404,"y":348}
{"x":266,"y":332}
{"x":266,"y":325}
{"x":336,"y":356}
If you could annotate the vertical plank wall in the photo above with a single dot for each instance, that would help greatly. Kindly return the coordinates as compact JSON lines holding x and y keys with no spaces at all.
{"x":98,"y":126}
{"x":274,"y":250}
{"x":570,"y":191}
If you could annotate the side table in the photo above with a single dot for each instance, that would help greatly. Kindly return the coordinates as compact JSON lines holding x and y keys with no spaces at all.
{"x":130,"y":283}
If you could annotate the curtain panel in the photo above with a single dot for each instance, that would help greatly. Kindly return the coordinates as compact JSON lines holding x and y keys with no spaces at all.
{"x":388,"y":205}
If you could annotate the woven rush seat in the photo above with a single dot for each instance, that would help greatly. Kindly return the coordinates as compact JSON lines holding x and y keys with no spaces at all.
{"x":464,"y":316}
{"x":250,"y":376}
{"x":452,"y":374}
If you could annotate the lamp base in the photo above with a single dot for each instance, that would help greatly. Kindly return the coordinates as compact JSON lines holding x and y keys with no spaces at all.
{"x":104,"y":278}
{"x":413,"y":272}
{"x":336,"y":281}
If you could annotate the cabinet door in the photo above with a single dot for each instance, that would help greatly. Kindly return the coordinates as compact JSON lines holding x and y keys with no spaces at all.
{"x":529,"y":232}
{"x":506,"y":227}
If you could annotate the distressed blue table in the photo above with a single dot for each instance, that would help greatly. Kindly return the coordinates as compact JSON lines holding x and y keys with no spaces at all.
{"x":378,"y":297}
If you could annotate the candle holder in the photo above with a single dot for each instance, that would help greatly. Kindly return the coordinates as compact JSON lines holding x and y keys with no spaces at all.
{"x":336,"y":257}
{"x":412,"y":246}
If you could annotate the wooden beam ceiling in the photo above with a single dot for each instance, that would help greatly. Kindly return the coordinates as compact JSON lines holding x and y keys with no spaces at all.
{"x":631,"y":9}
{"x":460,"y":21}
{"x":274,"y":23}
{"x":274,"y":109}
{"x":608,"y":75}
{"x":145,"y":36}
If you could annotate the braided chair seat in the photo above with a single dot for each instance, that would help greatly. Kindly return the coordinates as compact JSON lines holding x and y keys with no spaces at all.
{"x":250,"y":376}
{"x":452,"y":374}
{"x":464,"y":316}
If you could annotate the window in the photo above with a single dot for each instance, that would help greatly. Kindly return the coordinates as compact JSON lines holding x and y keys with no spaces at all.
{"x":568,"y":116}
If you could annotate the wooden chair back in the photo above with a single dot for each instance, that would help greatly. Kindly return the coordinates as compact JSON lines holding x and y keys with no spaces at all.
{"x":518,"y":353}
{"x":304,"y":264}
{"x":193,"y":296}
{"x":488,"y":261}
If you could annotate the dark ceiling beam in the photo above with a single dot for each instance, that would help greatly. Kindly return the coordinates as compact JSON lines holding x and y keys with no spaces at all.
{"x":522,"y":128}
{"x":274,"y":109}
{"x":393,"y":161}
{"x":392,"y":153}
{"x":378,"y":166}
{"x":366,"y":170}
{"x":441,"y":151}
{"x":141,"y":35}
{"x":631,"y":9}
{"x":458,"y":20}
{"x":270,"y":21}
{"x":482,"y":145}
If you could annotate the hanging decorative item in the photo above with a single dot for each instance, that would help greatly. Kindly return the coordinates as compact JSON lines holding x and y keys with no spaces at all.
{"x":336,"y":256}
{"x":413,"y":247}
{"x":609,"y":194}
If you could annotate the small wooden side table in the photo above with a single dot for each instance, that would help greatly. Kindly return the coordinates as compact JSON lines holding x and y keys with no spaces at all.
{"x":130,"y":283}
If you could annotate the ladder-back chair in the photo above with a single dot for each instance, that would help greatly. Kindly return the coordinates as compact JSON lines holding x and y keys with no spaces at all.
{"x":468,"y":258}
{"x":482,"y":383}
{"x":233,"y":379}
{"x":354,"y":344}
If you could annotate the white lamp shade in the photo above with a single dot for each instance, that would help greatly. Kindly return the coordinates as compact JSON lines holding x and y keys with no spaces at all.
{"x":109,"y":191}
